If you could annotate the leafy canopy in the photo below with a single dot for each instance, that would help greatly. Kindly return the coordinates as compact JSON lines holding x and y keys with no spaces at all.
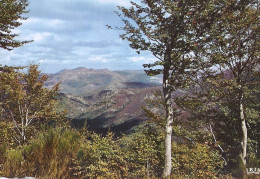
{"x":25,"y":102}
{"x":11,"y":15}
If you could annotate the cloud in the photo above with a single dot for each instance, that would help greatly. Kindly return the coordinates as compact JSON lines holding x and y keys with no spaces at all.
{"x":39,"y":36}
{"x":97,"y":44}
{"x":68,"y":34}
{"x":58,"y":26}
{"x":99,"y":58}
{"x":109,"y":57}
{"x":116,"y":2}
{"x":71,"y":10}
{"x":142,"y":59}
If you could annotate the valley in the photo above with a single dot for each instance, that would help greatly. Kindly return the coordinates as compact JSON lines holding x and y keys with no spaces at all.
{"x":105,"y":100}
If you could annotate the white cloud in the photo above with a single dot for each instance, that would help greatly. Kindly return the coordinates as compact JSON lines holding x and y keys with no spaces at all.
{"x":142,"y":59}
{"x":39,"y":36}
{"x":41,"y":23}
{"x":116,"y":2}
{"x":67,"y":62}
{"x":43,"y":61}
{"x":99,"y":58}
{"x":54,"y":22}
{"x":30,"y":21}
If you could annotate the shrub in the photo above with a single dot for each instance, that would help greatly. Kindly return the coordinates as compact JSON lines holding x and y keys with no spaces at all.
{"x":144,"y":152}
{"x":102,"y":157}
{"x":51,"y":154}
{"x":65,"y":153}
{"x":195,"y":161}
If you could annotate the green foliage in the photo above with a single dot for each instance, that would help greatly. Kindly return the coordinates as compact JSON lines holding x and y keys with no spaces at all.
{"x":253,"y":160}
{"x":3,"y":150}
{"x":164,"y":29}
{"x":26,"y":103}
{"x":194,"y":152}
{"x":13,"y":161}
{"x":137,"y":156}
{"x":145,"y":152}
{"x":50,"y":155}
{"x":196,"y":161}
{"x":66,"y":153}
{"x":225,"y":96}
{"x":167,"y":29}
{"x":11,"y":15}
{"x":102,"y":157}
{"x":191,"y":158}
{"x":216,"y":105}
{"x":6,"y":134}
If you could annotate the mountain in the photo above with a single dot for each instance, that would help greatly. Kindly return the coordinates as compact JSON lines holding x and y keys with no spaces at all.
{"x":82,"y":81}
{"x":118,"y":110}
{"x":107,"y":100}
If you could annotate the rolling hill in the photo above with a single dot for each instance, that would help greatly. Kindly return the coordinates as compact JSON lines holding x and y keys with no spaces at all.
{"x":82,"y":81}
{"x":107,"y":100}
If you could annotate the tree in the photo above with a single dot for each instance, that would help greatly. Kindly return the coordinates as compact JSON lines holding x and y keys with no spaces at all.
{"x":230,"y":50}
{"x":25,"y":102}
{"x":214,"y":107}
{"x":165,"y":28}
{"x":234,"y":48}
{"x":11,"y":15}
{"x":194,"y":151}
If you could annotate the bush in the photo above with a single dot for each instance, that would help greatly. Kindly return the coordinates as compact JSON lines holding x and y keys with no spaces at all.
{"x":13,"y":164}
{"x":3,"y":151}
{"x":144,"y":152}
{"x":195,"y":161}
{"x":102,"y":157}
{"x":65,"y":153}
{"x":50,"y":154}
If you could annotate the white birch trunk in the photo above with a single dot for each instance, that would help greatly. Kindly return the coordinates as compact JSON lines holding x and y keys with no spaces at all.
{"x":169,"y":121}
{"x":244,"y":130}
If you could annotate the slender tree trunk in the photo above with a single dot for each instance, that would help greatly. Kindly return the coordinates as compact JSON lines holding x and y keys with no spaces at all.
{"x":167,"y":92}
{"x":22,"y":130}
{"x":244,"y":129}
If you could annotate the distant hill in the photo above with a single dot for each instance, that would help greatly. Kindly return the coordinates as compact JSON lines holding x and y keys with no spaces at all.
{"x":82,"y":81}
{"x":105,"y":99}
{"x":117,"y":110}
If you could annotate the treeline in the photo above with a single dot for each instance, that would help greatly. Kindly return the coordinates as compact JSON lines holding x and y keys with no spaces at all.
{"x":67,"y":153}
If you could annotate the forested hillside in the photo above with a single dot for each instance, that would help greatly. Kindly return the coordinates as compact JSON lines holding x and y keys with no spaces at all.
{"x":104,"y":99}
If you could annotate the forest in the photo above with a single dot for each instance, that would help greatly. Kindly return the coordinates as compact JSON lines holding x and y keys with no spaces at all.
{"x":207,"y":49}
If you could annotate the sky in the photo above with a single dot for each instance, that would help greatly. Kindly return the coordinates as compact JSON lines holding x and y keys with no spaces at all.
{"x":72,"y":33}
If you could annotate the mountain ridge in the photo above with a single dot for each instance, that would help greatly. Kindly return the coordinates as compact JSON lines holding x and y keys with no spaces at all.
{"x":82,"y":81}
